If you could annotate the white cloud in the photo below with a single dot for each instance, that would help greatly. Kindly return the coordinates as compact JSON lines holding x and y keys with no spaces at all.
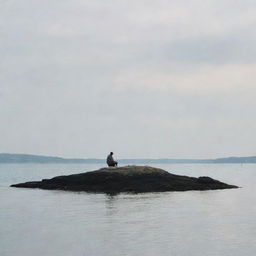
{"x":205,"y":79}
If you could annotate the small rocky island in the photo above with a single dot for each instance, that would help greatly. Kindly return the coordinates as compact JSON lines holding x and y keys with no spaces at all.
{"x":133,"y":179}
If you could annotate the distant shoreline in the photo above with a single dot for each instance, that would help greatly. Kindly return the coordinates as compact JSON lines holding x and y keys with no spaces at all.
{"x":7,"y":158}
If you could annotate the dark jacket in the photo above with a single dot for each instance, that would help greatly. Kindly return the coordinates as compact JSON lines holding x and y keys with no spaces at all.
{"x":110,"y":160}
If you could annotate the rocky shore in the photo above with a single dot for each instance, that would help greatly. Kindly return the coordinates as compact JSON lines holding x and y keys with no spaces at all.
{"x":134,"y":179}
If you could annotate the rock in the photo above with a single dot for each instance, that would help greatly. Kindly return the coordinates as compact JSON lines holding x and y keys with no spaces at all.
{"x":136,"y":179}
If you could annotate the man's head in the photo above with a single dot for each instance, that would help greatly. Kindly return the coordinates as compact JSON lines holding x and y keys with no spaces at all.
{"x":111,"y":153}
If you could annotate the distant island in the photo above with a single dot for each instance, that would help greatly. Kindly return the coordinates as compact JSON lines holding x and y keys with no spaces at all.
{"x":27,"y":158}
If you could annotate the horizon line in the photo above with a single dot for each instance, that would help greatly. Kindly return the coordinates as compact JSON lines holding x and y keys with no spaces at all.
{"x":141,"y":158}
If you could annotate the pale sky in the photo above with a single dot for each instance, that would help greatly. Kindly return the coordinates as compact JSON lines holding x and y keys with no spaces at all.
{"x":145,"y":79}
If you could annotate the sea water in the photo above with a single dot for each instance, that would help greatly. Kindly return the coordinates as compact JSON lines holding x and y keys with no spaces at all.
{"x":193,"y":223}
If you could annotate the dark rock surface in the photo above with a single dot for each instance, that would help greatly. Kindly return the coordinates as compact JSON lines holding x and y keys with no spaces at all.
{"x":136,"y":179}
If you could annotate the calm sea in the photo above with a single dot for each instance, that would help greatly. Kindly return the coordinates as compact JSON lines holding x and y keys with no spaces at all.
{"x":37,"y":222}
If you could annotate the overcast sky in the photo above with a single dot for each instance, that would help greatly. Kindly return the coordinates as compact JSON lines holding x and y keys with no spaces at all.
{"x":142,"y":78}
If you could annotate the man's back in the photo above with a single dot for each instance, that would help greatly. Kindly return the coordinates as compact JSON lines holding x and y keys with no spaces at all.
{"x":110,"y":160}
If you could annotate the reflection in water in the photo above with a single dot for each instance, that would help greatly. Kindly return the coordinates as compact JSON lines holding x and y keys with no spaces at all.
{"x":111,"y":205}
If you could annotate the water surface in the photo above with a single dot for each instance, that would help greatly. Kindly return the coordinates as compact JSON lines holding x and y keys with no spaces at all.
{"x":194,"y":223}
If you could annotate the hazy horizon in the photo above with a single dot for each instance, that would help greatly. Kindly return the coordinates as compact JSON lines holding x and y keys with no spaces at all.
{"x":136,"y":158}
{"x":140,"y":78}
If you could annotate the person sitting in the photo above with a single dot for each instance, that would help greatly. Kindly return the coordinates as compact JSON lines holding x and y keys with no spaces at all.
{"x":111,"y":161}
